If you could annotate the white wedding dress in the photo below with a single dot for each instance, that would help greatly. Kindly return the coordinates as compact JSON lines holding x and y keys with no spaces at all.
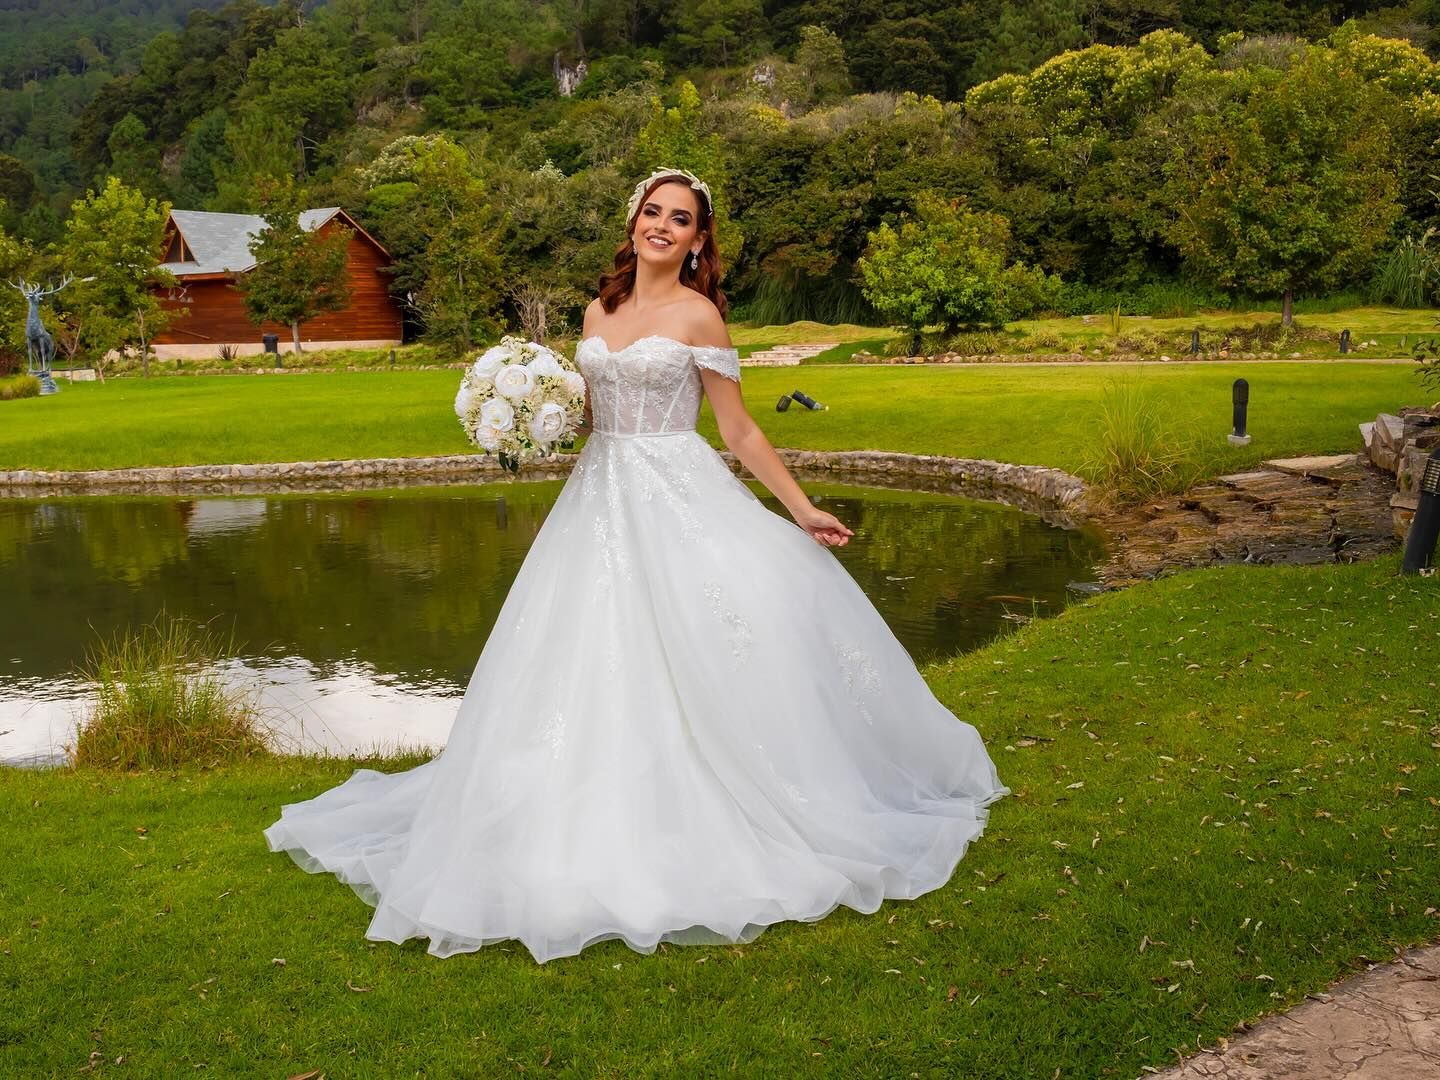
{"x":688,"y":722}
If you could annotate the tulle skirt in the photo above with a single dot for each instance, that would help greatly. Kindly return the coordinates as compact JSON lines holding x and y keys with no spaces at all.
{"x":688,"y":723}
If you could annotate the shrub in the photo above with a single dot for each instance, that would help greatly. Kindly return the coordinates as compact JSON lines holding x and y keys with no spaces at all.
{"x":1132,"y":456}
{"x":942,"y":265}
{"x":973,"y":343}
{"x":1026,"y":291}
{"x":1408,"y":273}
{"x":160,"y":702}
{"x":1163,"y":299}
{"x":19,"y":386}
{"x":1043,"y":341}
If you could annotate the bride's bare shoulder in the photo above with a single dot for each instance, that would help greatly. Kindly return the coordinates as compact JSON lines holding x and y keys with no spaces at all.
{"x":704,"y":323}
{"x":590,"y":321}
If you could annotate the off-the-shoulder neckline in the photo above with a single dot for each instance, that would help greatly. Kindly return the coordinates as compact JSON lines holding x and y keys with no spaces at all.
{"x":650,"y":337}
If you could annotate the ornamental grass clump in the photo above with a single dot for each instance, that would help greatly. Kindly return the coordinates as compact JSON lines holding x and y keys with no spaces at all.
{"x":19,"y":386}
{"x":1132,"y":456}
{"x":160,"y":702}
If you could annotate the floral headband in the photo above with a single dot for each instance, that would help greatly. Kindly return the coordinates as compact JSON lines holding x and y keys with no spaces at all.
{"x":640,"y":189}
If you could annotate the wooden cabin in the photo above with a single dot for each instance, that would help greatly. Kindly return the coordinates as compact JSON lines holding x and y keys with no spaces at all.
{"x":207,"y":251}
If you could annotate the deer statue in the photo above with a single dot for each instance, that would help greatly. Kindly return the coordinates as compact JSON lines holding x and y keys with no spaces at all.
{"x":39,"y":345}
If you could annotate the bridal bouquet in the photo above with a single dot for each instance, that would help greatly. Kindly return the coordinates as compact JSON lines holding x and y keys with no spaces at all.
{"x":518,"y":400}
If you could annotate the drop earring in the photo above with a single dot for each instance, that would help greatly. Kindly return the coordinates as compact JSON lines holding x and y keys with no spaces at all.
{"x":694,"y":260}
{"x":633,"y":249}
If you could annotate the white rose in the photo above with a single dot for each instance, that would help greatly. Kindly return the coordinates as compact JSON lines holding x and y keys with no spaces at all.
{"x":491,"y":361}
{"x":497,"y":414}
{"x":463,"y":400}
{"x":514,"y":381}
{"x":547,"y":423}
{"x":487,"y":438}
{"x":545,"y":364}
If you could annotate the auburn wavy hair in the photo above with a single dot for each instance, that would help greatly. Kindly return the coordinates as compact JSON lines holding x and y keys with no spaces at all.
{"x":617,"y":285}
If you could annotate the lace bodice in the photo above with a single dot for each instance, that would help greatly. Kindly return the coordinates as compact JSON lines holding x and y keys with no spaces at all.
{"x":651,"y":386}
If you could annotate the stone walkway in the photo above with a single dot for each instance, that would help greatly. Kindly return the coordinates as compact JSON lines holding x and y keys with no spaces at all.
{"x":1383,"y":1024}
{"x":1290,"y":510}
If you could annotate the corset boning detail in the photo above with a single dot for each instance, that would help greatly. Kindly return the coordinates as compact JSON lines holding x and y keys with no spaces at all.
{"x":650,"y":387}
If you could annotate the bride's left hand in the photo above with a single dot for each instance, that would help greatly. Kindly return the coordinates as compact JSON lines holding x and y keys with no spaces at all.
{"x":824,"y":529}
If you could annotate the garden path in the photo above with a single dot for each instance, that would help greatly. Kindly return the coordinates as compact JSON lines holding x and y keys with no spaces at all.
{"x":1383,"y":1024}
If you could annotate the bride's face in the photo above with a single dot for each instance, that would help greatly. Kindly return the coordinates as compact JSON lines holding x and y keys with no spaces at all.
{"x":666,"y":227}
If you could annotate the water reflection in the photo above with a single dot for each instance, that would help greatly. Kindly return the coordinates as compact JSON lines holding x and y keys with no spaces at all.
{"x":360,"y":615}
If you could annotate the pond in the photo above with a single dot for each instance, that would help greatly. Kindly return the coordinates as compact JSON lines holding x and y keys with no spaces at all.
{"x":359,"y":616}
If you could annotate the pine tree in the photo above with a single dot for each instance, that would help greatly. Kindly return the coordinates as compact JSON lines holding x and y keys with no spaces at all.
{"x":1027,"y":35}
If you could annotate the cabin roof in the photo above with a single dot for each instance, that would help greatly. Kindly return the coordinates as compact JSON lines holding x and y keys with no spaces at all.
{"x":221,"y":243}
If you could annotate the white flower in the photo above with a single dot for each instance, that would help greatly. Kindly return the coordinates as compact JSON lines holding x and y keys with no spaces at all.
{"x":487,"y":438}
{"x":514,"y":381}
{"x":464,"y":399}
{"x":547,"y":423}
{"x":497,"y":414}
{"x":574,"y":382}
{"x":491,"y":361}
{"x":545,"y":364}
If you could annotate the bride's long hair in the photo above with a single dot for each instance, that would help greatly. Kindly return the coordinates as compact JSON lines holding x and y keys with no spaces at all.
{"x":617,"y":285}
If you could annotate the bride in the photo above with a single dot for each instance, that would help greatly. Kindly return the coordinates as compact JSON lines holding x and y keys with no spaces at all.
{"x":688,"y":722}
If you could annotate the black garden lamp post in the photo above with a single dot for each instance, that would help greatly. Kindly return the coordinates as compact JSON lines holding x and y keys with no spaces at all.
{"x":1240,"y":399}
{"x":1420,"y":541}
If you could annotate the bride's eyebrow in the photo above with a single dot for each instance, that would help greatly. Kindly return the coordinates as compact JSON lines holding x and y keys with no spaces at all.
{"x":680,"y":210}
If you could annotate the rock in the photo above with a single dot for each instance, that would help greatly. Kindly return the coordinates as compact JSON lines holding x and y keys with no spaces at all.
{"x":1391,"y":430}
{"x":1245,"y":478}
{"x":1402,"y":512}
{"x":1323,"y":465}
{"x":1411,"y":469}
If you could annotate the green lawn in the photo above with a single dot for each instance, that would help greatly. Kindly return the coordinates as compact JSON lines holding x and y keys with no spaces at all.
{"x":1030,"y":415}
{"x":1225,"y":795}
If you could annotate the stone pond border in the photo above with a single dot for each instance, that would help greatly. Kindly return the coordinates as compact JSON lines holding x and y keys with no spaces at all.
{"x":1031,"y":486}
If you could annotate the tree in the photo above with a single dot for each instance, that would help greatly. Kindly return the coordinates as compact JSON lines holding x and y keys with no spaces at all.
{"x":443,"y":233}
{"x":1026,"y":34}
{"x":298,"y":273}
{"x":113,"y":244}
{"x":17,"y":190}
{"x":820,"y":57}
{"x":134,"y":158}
{"x":15,"y":260}
{"x":716,"y":31}
{"x":943,"y":265}
{"x":1289,"y":185}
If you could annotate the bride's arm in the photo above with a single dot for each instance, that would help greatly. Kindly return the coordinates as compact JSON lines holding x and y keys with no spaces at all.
{"x":743,"y":437}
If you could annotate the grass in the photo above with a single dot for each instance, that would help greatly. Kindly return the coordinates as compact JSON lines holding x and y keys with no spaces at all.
{"x":1225,"y":797}
{"x":1028,"y":415}
{"x":160,"y":702}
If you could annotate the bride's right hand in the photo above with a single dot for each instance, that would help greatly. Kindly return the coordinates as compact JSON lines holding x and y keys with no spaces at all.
{"x":824,"y":528}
